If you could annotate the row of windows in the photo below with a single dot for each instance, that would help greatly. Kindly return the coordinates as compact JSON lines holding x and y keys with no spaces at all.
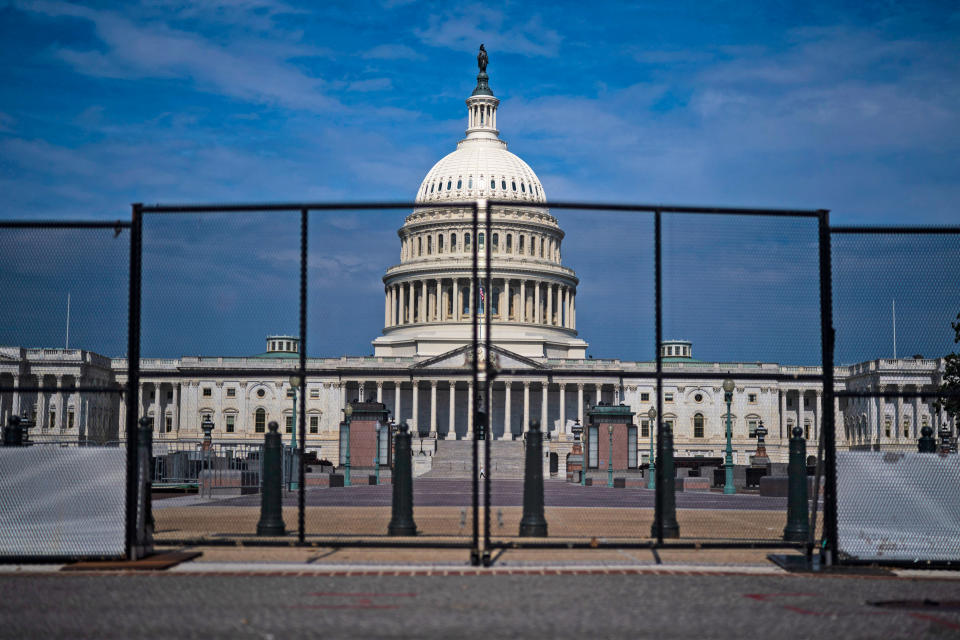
{"x":259,"y":422}
{"x":525,"y":245}
{"x":438,"y":185}
{"x":231,"y":392}
{"x":668,"y":396}
{"x":699,"y":423}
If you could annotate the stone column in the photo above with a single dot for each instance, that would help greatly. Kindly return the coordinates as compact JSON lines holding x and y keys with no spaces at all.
{"x":401,"y":306}
{"x":817,"y":410}
{"x":916,"y":415}
{"x":522,"y":310}
{"x":397,"y":405}
{"x":456,"y":299}
{"x":599,"y":387}
{"x":411,"y":305}
{"x":472,"y":300}
{"x":423,"y":301}
{"x":386,"y":306}
{"x":433,"y":408}
{"x":438,"y":301}
{"x":783,"y":410}
{"x":507,"y":290}
{"x":15,"y":408}
{"x":563,"y":409}
{"x":545,"y":385}
{"x":526,"y":406}
{"x":61,"y":418}
{"x":415,"y":422}
{"x":452,"y":429}
{"x":800,"y":410}
{"x":507,"y":427}
{"x":580,"y":403}
{"x":379,"y":390}
{"x":898,"y":414}
{"x":573,"y":311}
{"x":470,"y":410}
{"x":176,"y":408}
{"x":536,"y":305}
{"x":551,"y":320}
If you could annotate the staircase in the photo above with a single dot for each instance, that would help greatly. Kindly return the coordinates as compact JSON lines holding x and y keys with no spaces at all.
{"x":454,"y":459}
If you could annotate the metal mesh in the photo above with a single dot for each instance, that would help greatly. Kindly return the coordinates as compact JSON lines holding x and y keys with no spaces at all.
{"x":62,"y":501}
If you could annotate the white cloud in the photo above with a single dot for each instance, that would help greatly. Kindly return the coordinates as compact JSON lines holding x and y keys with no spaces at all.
{"x":392,"y":52}
{"x":465,"y":28}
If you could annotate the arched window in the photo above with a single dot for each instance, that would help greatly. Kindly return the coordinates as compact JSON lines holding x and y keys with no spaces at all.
{"x":906,"y":427}
{"x":453,"y":243}
{"x":503,"y":184}
{"x":523,"y":187}
{"x":698,"y":425}
{"x":440,"y":243}
{"x":543,"y":241}
{"x":480,"y":242}
{"x":521,"y":244}
{"x":260,"y":420}
{"x":495,"y":239}
{"x":449,"y":183}
{"x":514,"y":183}
{"x":533,"y":245}
{"x":419,"y":246}
{"x":509,"y":243}
{"x":466,"y":242}
{"x":432,"y":185}
{"x":493,"y":183}
{"x":429,"y":245}
{"x":470,"y":183}
{"x":459,"y":183}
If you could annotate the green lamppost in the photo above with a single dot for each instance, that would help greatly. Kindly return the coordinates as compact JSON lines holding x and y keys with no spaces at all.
{"x":294,"y":467}
{"x":728,"y":487}
{"x":347,"y":412}
{"x":610,"y":457}
{"x":652,"y":480}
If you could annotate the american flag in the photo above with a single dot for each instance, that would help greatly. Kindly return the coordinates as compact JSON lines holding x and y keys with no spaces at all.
{"x":481,"y":293}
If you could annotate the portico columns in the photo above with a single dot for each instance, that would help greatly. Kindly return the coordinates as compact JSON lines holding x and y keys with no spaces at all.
{"x":536,"y":302}
{"x":423,"y":301}
{"x":526,"y":406}
{"x":433,"y":408}
{"x":15,"y":409}
{"x":817,"y":410}
{"x":898,"y":413}
{"x":783,"y":411}
{"x":411,"y":305}
{"x":452,"y":429}
{"x":507,"y":428}
{"x":563,"y":409}
{"x":543,"y":406}
{"x":456,"y":299}
{"x":401,"y":307}
{"x":397,"y":406}
{"x":549,"y":318}
{"x":438,"y":302}
{"x":470,"y":410}
{"x":580,"y":402}
{"x":379,"y":390}
{"x":522,"y":311}
{"x":599,"y":394}
{"x":416,"y":406}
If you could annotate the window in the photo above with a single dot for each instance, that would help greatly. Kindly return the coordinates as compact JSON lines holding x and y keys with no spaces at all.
{"x":453,"y":242}
{"x":290,"y":393}
{"x":495,"y":239}
{"x":440,"y":243}
{"x":593,"y":459}
{"x":523,"y":187}
{"x":429,"y":245}
{"x":231,"y":422}
{"x":207,"y":392}
{"x":509,"y":243}
{"x":521,"y":244}
{"x":887,"y":424}
{"x":752,"y":424}
{"x":70,"y":419}
{"x":314,"y":424}
{"x":533,"y":246}
{"x":644,"y":428}
{"x":514,"y":183}
{"x":431,"y":188}
{"x":459,"y":183}
{"x":480,"y":239}
{"x":698,"y":426}
{"x":906,"y":427}
{"x":752,"y":398}
{"x":806,"y":429}
{"x":288,"y":421}
{"x":261,"y":393}
{"x":231,"y":392}
{"x":260,"y":420}
{"x":632,"y":447}
{"x":314,"y":393}
{"x":668,"y":397}
{"x":470,"y":183}
{"x":543,"y":241}
{"x":466,"y":242}
{"x":419,"y":246}
{"x":153,"y":395}
{"x":698,"y":397}
{"x":169,"y":423}
{"x":645,"y":397}
{"x":503,"y":184}
{"x":493,"y":184}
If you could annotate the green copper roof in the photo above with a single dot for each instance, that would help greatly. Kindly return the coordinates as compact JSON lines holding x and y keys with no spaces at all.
{"x":278,"y":354}
{"x":483,"y":88}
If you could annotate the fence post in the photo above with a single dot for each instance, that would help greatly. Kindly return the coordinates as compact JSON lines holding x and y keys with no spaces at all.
{"x":671,"y":529}
{"x":13,"y":434}
{"x":533,"y":523}
{"x":271,"y":510}
{"x":927,"y":443}
{"x":144,"y":539}
{"x":401,"y":520}
{"x":798,"y":522}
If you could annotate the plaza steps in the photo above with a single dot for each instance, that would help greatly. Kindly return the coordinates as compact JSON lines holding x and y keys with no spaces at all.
{"x":454,"y":459}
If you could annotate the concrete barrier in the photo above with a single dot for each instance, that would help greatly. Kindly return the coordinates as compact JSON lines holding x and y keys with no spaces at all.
{"x":692,"y":484}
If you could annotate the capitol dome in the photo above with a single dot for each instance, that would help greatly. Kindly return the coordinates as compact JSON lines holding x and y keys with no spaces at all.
{"x":430,"y":298}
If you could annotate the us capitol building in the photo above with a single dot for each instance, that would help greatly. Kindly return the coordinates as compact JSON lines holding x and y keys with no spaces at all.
{"x":421,"y":363}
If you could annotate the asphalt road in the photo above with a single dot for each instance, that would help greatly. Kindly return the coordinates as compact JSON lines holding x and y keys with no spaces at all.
{"x":506,"y":493}
{"x":486,"y":606}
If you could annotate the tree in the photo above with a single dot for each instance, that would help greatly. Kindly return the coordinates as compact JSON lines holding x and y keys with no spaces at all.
{"x":951,"y":378}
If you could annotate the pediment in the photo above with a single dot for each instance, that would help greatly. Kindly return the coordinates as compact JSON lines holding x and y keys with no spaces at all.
{"x":460,"y":358}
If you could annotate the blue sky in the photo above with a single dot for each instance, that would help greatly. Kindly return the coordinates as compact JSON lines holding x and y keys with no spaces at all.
{"x":831,"y":105}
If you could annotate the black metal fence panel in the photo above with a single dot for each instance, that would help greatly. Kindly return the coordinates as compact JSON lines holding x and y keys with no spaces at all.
{"x":63,"y":316}
{"x":896,"y":305}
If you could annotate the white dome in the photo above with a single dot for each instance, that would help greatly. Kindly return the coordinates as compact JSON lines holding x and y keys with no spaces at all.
{"x":481,"y":168}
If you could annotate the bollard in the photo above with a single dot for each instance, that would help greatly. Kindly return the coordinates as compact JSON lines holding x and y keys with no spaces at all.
{"x":927,"y":443}
{"x":271,"y":510}
{"x":798,"y":522}
{"x":401,"y":520}
{"x":13,"y":434}
{"x":145,"y":446}
{"x":533,"y":523}
{"x":670,"y":527}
